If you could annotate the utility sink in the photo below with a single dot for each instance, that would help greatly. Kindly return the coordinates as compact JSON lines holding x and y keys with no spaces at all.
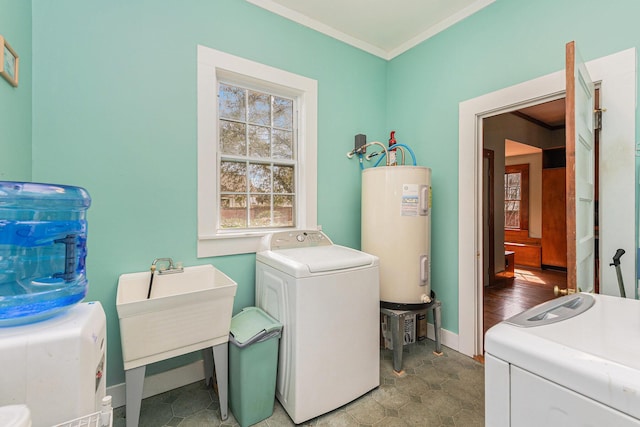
{"x":185,"y":312}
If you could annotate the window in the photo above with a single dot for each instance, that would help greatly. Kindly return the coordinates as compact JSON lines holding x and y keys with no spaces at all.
{"x":257,"y":159}
{"x":516,"y":197}
{"x":256,"y":152}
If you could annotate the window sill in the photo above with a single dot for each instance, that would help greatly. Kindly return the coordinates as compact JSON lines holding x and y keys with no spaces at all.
{"x":228,"y":245}
{"x":235,"y":244}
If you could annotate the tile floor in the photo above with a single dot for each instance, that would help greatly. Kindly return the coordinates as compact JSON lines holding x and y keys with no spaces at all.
{"x":445,"y":390}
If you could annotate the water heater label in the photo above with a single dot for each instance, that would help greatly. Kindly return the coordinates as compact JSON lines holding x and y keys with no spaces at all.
{"x":410,"y":200}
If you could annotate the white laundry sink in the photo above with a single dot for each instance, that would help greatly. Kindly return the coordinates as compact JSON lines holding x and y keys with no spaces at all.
{"x":186,"y":311}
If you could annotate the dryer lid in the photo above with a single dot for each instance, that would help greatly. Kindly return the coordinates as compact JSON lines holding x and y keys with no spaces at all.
{"x":320,"y":259}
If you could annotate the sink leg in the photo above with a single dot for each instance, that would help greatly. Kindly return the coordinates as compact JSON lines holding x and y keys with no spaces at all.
{"x":134,"y":381}
{"x":207,"y":359}
{"x":221,"y":358}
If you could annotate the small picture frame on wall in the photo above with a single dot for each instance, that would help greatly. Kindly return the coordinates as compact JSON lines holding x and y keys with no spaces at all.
{"x":9,"y":62}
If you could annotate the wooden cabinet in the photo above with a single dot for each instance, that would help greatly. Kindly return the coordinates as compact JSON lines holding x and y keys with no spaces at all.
{"x":554,"y":218}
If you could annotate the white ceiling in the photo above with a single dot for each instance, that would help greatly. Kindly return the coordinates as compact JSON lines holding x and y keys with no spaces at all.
{"x":385,"y":28}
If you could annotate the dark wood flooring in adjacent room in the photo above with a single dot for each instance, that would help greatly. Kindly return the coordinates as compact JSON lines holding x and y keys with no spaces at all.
{"x":529,"y":287}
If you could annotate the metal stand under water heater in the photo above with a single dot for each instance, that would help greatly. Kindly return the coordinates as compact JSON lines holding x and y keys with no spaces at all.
{"x":396,"y":227}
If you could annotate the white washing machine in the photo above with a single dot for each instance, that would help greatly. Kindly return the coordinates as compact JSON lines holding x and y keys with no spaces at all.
{"x":572,"y":361}
{"x":327,"y":298}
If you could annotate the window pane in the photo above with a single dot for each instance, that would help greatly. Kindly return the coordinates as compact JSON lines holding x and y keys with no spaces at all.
{"x":282,"y":144}
{"x":233,"y":177}
{"x":259,"y":108}
{"x":513,"y":179}
{"x":255,"y":130}
{"x":512,"y":206}
{"x":233,"y":138}
{"x":259,"y":178}
{"x":233,"y":211}
{"x":283,"y":179}
{"x":512,"y":185}
{"x":260,"y":211}
{"x":231,"y":102}
{"x":282,"y":113}
{"x":283,"y":211}
{"x":512,"y":193}
{"x":259,"y":141}
{"x":512,"y":214}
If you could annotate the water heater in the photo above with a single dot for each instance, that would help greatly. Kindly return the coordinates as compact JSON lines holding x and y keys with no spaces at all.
{"x":396,"y":227}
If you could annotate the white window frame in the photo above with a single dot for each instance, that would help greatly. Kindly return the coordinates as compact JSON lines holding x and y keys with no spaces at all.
{"x":214,"y":65}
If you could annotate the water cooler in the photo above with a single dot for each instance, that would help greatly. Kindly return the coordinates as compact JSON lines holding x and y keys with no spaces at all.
{"x":57,"y":366}
{"x":396,"y":227}
{"x":52,"y":347}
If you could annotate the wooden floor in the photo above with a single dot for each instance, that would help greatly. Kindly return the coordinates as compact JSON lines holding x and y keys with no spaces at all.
{"x":509,"y":297}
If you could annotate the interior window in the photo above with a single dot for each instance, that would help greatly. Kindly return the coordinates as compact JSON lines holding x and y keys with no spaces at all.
{"x":516,"y":197}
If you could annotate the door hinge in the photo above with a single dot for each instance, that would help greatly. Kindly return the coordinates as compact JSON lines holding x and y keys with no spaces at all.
{"x":597,"y":118}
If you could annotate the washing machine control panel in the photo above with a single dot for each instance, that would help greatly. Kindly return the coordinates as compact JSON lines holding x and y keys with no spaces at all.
{"x":298,"y":239}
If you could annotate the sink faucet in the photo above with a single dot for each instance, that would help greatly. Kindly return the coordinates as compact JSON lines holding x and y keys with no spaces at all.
{"x":170,"y":267}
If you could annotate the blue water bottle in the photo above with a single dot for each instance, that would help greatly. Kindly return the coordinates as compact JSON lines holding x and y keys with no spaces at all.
{"x":43,"y":237}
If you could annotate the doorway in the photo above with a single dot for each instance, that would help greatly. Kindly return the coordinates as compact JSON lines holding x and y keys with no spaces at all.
{"x":616,"y":74}
{"x":519,"y":272}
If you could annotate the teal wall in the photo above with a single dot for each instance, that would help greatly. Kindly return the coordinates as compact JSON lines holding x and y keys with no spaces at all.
{"x":504,"y":44}
{"x":115,"y":112}
{"x":15,"y":102}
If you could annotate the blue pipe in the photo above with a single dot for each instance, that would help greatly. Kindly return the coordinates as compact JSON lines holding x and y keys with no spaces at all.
{"x":413,"y":156}
{"x":380,"y":159}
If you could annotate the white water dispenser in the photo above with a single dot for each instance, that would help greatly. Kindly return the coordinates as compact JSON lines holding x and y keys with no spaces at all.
{"x":52,"y":346}
{"x":56,"y":367}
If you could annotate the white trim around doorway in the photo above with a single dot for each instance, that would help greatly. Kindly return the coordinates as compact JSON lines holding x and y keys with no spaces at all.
{"x":616,"y":75}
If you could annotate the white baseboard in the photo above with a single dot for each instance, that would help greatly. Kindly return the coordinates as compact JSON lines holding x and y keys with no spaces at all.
{"x":160,"y":383}
{"x":447,"y":338}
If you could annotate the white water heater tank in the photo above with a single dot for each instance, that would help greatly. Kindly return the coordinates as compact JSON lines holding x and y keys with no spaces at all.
{"x":396,"y":227}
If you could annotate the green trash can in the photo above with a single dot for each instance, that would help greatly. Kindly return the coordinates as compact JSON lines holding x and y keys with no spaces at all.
{"x":253,"y":365}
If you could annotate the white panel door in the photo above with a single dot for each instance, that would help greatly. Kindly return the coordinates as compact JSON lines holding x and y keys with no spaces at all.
{"x":580,"y":173}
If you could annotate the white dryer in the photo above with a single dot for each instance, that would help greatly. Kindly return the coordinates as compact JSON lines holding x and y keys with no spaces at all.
{"x":572,"y":361}
{"x":327,"y":298}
